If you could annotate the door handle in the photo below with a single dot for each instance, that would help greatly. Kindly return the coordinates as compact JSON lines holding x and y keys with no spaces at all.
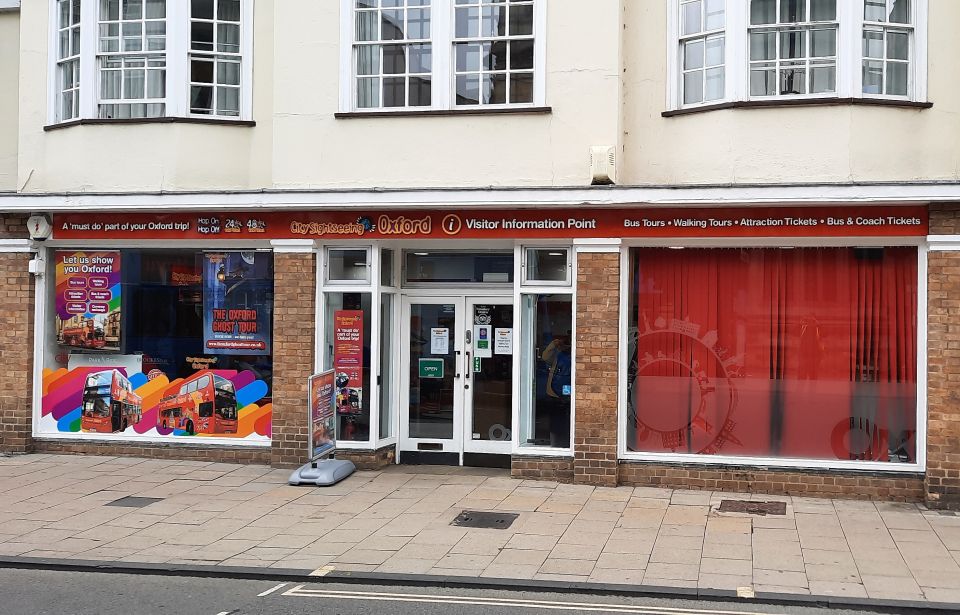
{"x":469,"y":366}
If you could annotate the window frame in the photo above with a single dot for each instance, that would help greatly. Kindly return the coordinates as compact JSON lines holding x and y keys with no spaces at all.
{"x":177,"y":56}
{"x":849,"y":61}
{"x":443,"y":77}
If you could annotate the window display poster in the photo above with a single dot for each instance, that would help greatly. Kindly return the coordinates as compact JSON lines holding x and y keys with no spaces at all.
{"x":502,"y":341}
{"x":348,"y":360}
{"x":323,"y":423}
{"x":237,"y":300}
{"x":88,"y":299}
{"x":439,"y":340}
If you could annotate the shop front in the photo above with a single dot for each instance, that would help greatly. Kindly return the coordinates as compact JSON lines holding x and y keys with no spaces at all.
{"x":605,"y":346}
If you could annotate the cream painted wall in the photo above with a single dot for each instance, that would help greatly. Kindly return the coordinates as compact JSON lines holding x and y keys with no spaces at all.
{"x":9,"y":43}
{"x":146,"y":157}
{"x":313,"y":149}
{"x":776,"y":145}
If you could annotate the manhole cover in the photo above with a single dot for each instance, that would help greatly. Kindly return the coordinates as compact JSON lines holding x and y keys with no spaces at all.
{"x":753,"y":508}
{"x":134,"y":502}
{"x":487,"y":520}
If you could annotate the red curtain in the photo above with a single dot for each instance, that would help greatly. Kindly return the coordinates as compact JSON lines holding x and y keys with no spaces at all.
{"x":802,"y":353}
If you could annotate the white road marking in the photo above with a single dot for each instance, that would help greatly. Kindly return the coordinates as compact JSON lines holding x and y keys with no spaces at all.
{"x":271,"y":590}
{"x":301,"y":592}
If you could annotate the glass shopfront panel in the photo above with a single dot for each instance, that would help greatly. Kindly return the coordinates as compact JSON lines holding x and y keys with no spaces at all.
{"x":347,"y":338}
{"x":807,"y":353}
{"x":172,"y":344}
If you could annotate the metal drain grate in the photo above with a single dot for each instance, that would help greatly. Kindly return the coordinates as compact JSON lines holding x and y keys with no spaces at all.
{"x":753,"y":508}
{"x":134,"y":502}
{"x":485,"y":520}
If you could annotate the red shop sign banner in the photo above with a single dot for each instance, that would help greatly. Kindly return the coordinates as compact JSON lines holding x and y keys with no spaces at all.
{"x":869,"y":221}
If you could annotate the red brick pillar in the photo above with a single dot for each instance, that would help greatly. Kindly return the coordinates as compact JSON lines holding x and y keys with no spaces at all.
{"x":294,"y":333}
{"x":942,"y":478}
{"x":597,"y":358}
{"x":16,"y":347}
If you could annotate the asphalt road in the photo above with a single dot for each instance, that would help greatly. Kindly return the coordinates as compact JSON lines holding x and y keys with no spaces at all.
{"x":42,"y":592}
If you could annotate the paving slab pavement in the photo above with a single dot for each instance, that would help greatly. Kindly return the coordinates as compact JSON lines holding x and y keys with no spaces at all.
{"x":398,"y":521}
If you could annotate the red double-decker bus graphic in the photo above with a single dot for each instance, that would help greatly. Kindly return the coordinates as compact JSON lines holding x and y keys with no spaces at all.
{"x":205,"y":403}
{"x":109,"y":403}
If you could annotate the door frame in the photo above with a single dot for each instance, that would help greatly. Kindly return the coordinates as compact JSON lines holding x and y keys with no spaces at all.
{"x":462,"y":440}
{"x":406,"y":443}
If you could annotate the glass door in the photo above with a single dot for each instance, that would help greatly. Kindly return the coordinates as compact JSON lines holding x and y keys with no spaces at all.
{"x":432,"y":379}
{"x":488,"y":376}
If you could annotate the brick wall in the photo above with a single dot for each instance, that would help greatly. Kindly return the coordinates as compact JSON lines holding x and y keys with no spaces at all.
{"x":598,"y":329}
{"x":559,"y":469}
{"x":294,"y":332}
{"x":16,"y":346}
{"x":370,"y":460}
{"x":943,"y":364}
{"x":858,"y":485}
{"x":215,"y":454}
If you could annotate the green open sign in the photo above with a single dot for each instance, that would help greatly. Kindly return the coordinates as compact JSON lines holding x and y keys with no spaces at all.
{"x":431,"y":368}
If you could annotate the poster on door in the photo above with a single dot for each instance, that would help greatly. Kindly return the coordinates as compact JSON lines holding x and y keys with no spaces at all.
{"x":348,"y":360}
{"x":322,"y":416}
{"x":88,"y":299}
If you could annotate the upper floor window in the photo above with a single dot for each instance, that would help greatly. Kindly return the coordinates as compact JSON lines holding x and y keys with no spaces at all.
{"x":152,"y":58}
{"x":728,"y":50}
{"x":442,"y":54}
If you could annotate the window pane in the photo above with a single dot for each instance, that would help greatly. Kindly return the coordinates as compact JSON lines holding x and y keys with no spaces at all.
{"x":521,"y":20}
{"x":547,"y":265}
{"x":353,"y":390}
{"x":823,"y":43}
{"x":715,"y":83}
{"x":201,"y":71}
{"x":521,"y":88}
{"x":347,"y":265}
{"x":109,"y":10}
{"x":391,"y":25}
{"x":110,"y":81}
{"x":793,"y":44}
{"x":228,"y":38}
{"x":156,"y":84}
{"x":495,"y":55}
{"x":421,"y":58}
{"x":228,"y":73}
{"x":763,"y":45}
{"x":133,"y":83}
{"x":793,"y":80}
{"x":692,"y":13}
{"x":521,"y":54}
{"x":394,"y":59}
{"x":201,"y":9}
{"x":157,"y":9}
{"x":494,"y":89}
{"x":368,"y":60}
{"x":875,"y":10}
{"x":872,"y":77}
{"x":546,"y":353}
{"x":823,"y":10}
{"x":469,"y":56}
{"x":823,"y":79}
{"x":693,"y":87}
{"x":715,"y":51}
{"x":898,"y":45}
{"x":762,"y":82}
{"x":201,"y":99}
{"x":693,"y":55}
{"x":900,"y":11}
{"x":368,"y":26}
{"x":872,"y":44}
{"x":228,"y":101}
{"x":133,"y":9}
{"x":897,"y":78}
{"x":418,"y":23}
{"x":763,"y":11}
{"x":228,"y":10}
{"x":792,"y":11}
{"x":387,"y":404}
{"x":714,"y":14}
{"x":420,"y":92}
{"x":468,"y":22}
{"x":201,"y":36}
{"x":368,"y":93}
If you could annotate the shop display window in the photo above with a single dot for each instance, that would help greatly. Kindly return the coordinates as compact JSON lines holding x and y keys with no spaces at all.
{"x":159,"y":344}
{"x":546,"y":370}
{"x":807,"y":353}
{"x":347,"y":339}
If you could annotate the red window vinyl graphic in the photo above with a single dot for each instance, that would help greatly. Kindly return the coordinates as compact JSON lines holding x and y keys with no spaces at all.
{"x":790,"y":353}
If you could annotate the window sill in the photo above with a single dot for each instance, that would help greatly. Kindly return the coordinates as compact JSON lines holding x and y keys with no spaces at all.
{"x":352,"y":115}
{"x":150,"y":120}
{"x":800,"y":102}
